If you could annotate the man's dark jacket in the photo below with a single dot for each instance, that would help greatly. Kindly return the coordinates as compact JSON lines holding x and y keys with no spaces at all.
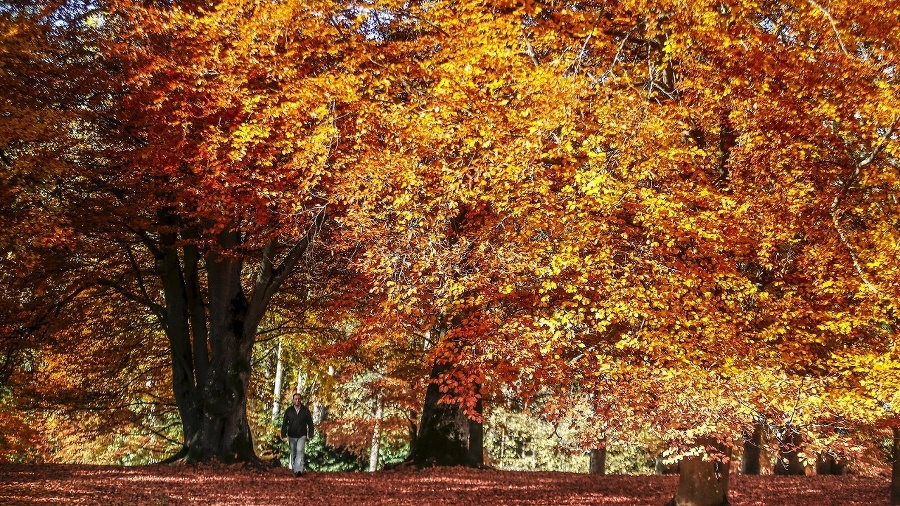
{"x":297,"y":424}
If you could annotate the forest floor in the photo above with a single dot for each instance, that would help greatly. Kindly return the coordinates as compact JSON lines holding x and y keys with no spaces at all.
{"x":239,"y":486}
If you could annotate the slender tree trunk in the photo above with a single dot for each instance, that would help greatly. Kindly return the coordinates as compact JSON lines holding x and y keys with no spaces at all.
{"x":752,"y":446}
{"x":895,"y":469}
{"x":788,"y":462}
{"x":178,"y":332}
{"x":376,"y":436}
{"x":598,"y":461}
{"x":703,"y":481}
{"x":279,"y":378}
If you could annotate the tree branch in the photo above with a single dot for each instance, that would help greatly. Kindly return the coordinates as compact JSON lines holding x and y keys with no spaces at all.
{"x":530,"y":52}
{"x":157,"y":309}
{"x":833,"y":24}
{"x":835,"y":215}
{"x":270,"y":278}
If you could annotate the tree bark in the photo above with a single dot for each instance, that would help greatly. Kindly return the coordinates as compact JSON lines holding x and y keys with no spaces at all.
{"x":225,"y":433}
{"x":788,"y":462}
{"x":752,"y":445}
{"x":376,"y":435}
{"x":412,"y":426}
{"x":178,"y":332}
{"x":476,"y":435}
{"x":703,"y":480}
{"x":211,"y":340}
{"x":828,"y":464}
{"x":279,"y":379}
{"x":443,"y":435}
{"x":895,"y":469}
{"x":663,"y":468}
{"x":598,"y":461}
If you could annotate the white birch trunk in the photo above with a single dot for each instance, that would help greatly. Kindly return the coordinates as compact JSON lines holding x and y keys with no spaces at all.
{"x":279,"y":377}
{"x":376,"y":436}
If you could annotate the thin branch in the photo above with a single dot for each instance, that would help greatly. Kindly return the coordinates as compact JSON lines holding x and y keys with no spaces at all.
{"x":157,"y":309}
{"x":625,"y":39}
{"x":833,"y":24}
{"x":426,"y":21}
{"x":163,"y":436}
{"x":530,"y":52}
{"x":835,"y":215}
{"x":581,"y":52}
{"x":880,"y":147}
{"x":140,"y":278}
{"x":854,"y":258}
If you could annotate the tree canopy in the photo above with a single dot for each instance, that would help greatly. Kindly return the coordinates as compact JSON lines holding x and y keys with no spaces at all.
{"x":682,"y":214}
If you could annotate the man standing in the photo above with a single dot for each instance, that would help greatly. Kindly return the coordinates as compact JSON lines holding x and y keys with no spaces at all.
{"x":297,"y":427}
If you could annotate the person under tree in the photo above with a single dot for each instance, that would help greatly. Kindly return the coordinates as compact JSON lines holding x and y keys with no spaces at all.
{"x":297,"y":427}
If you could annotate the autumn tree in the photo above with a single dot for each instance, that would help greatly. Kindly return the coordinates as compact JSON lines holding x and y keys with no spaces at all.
{"x":54,"y":119}
{"x":652,"y":183}
{"x":162,"y":214}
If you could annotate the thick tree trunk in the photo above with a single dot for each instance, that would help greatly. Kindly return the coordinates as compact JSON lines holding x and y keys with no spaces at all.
{"x":225,"y":433}
{"x":211,"y":340}
{"x":788,"y":461}
{"x":476,"y":436}
{"x":828,"y":464}
{"x":752,"y":445}
{"x":703,"y":481}
{"x":597,"y":463}
{"x":443,"y":436}
{"x":895,"y":470}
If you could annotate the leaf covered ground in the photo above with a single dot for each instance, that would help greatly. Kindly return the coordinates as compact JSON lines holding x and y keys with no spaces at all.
{"x":239,"y":486}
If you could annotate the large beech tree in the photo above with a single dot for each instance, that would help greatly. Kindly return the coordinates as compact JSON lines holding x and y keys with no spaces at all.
{"x":704,"y":191}
{"x":199,"y":230}
{"x":233,"y":129}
